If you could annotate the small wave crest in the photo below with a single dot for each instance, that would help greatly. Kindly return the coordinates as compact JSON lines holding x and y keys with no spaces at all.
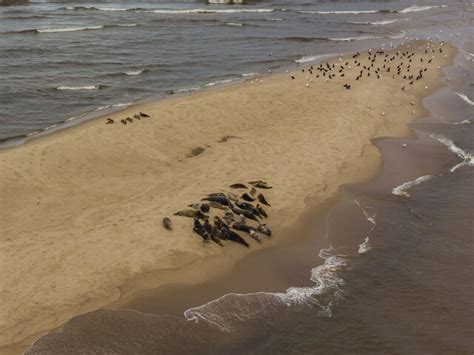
{"x":168,"y":11}
{"x":401,"y":190}
{"x":234,"y":24}
{"x":377,"y":23}
{"x":74,"y":88}
{"x":467,"y":158}
{"x":217,"y":82}
{"x":134,"y":72}
{"x":465,"y":98}
{"x":350,"y":39}
{"x":313,"y":58}
{"x":416,"y":8}
{"x":67,"y":29}
{"x":365,"y":246}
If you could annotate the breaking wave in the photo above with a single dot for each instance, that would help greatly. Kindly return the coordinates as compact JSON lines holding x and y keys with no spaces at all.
{"x":313,"y":58}
{"x":465,"y":98}
{"x":401,"y":190}
{"x":378,"y":23}
{"x":85,"y":87}
{"x":168,"y":11}
{"x":228,"y":311}
{"x":467,"y":158}
{"x":413,"y":8}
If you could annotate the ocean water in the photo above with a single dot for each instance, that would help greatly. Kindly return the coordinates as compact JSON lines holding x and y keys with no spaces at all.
{"x":388,"y":268}
{"x":63,"y":61}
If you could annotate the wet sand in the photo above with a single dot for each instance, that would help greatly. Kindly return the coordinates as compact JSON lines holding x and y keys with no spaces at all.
{"x":85,"y":205}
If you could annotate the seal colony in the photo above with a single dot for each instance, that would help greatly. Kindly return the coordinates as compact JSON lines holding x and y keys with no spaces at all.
{"x":83,"y":208}
{"x":229,"y":214}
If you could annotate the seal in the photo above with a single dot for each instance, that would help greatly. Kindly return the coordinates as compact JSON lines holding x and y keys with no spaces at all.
{"x":109,"y":121}
{"x":247,"y":197}
{"x":200,"y":230}
{"x":227,"y":234}
{"x":216,"y":235}
{"x":197,"y":214}
{"x":260,"y":184}
{"x":167,"y":223}
{"x":123,"y":122}
{"x":262,"y":228}
{"x":248,"y":229}
{"x":245,"y":213}
{"x":238,"y":186}
{"x":129,"y":119}
{"x":143,"y":114}
{"x":203,"y":207}
{"x":249,"y":207}
{"x":262,"y":211}
{"x":137,"y":117}
{"x":262,"y":199}
{"x":219,"y":198}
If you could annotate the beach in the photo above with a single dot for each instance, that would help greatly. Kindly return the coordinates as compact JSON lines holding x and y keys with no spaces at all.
{"x":82,"y":208}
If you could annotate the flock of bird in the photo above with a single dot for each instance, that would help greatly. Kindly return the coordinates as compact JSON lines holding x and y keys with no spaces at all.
{"x":124,"y":121}
{"x":404,"y":64}
{"x":231,"y":214}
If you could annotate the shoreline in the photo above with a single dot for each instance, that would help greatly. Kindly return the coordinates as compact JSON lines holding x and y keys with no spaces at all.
{"x":353,"y":167}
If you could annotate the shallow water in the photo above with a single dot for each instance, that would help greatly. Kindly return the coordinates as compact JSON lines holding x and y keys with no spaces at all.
{"x":379,"y":272}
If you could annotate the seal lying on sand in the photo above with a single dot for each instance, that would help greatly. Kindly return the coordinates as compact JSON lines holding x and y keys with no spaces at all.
{"x":248,"y":229}
{"x":260,"y":184}
{"x":246,"y":213}
{"x":167,"y":223}
{"x":247,"y":197}
{"x":143,"y":114}
{"x":199,"y":229}
{"x":219,"y":198}
{"x":192,"y":214}
{"x":238,"y":186}
{"x":109,"y":121}
{"x":262,"y":199}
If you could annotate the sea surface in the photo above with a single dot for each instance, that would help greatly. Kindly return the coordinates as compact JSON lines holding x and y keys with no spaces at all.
{"x":388,"y":268}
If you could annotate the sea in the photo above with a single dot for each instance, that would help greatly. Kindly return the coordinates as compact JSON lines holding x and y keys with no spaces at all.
{"x":388,"y":267}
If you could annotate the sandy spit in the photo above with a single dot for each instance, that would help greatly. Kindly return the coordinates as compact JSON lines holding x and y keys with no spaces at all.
{"x":81,"y":209}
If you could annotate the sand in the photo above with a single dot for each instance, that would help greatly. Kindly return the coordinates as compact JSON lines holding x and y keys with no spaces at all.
{"x":81,"y":209}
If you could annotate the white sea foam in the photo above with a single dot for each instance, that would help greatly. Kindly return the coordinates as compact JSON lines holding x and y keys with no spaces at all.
{"x":378,"y":23}
{"x":273,"y":19}
{"x":217,"y":82}
{"x":365,"y":246}
{"x":465,"y":98}
{"x":180,"y":91}
{"x":134,"y":72}
{"x":245,"y":75}
{"x":462,"y":122}
{"x":86,"y":87}
{"x":234,"y":24}
{"x":401,"y":190}
{"x":226,"y":311}
{"x":68,"y":29}
{"x":467,"y":158}
{"x":416,"y":8}
{"x":313,"y":58}
{"x":206,"y":11}
{"x":347,"y":12}
{"x":349,"y":39}
{"x":127,"y":25}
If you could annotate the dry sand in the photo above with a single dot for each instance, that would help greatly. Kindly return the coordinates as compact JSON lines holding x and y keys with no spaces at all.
{"x":81,"y":209}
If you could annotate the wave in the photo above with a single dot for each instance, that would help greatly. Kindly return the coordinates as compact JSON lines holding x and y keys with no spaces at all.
{"x":168,"y":11}
{"x":86,"y":87}
{"x":67,"y":29}
{"x":350,"y":39}
{"x":465,"y":98}
{"x":226,"y":312}
{"x":467,"y":158}
{"x":377,"y":23}
{"x":245,"y":75}
{"x":217,"y":82}
{"x":313,"y":58}
{"x":180,"y":91}
{"x":416,"y":8}
{"x":365,"y":246}
{"x":234,"y":24}
{"x":273,"y":19}
{"x":462,"y":122}
{"x":413,"y":8}
{"x":134,"y":72}
{"x":401,"y":190}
